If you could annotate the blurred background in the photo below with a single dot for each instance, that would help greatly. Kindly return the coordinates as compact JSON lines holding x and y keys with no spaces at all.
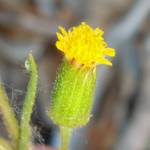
{"x":121,"y":111}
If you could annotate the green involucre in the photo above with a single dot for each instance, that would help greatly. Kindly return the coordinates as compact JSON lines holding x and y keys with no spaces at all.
{"x":72,"y":95}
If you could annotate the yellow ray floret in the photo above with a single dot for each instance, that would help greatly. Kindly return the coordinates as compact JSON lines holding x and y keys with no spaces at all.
{"x":84,"y":45}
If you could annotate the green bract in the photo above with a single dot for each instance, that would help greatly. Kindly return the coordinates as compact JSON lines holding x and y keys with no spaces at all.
{"x":72,"y":95}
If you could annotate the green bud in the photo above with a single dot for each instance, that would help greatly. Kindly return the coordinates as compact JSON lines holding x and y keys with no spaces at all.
{"x":72,"y":95}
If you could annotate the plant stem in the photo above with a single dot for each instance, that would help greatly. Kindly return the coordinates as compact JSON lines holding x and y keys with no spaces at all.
{"x":8,"y":115}
{"x":28,"y":104}
{"x":65,"y":134}
{"x":4,"y":145}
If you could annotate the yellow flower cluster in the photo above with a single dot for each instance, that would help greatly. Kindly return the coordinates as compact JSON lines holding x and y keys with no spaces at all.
{"x":84,"y":45}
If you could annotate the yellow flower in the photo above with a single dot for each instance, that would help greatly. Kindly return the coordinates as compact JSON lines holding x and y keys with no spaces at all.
{"x":84,"y":45}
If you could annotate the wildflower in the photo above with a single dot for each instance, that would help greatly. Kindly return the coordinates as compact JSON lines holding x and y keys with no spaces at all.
{"x":72,"y":95}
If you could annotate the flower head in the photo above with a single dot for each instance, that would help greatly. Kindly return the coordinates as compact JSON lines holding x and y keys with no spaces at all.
{"x":84,"y":45}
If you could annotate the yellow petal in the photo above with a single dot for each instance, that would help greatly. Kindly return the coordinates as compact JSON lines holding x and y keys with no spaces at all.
{"x":85,"y":45}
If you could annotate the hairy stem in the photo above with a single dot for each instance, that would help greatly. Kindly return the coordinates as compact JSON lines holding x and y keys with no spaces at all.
{"x":28,"y":104}
{"x":8,"y":115}
{"x":65,"y":134}
{"x":4,"y":145}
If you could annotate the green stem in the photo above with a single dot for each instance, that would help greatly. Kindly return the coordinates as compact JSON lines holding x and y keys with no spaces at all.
{"x":4,"y":145}
{"x":65,"y":134}
{"x":8,"y":115}
{"x":28,"y":104}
